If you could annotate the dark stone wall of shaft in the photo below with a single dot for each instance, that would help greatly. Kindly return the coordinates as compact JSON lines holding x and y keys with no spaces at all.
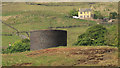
{"x":42,"y":39}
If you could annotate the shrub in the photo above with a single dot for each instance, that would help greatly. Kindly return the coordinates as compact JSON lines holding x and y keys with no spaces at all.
{"x":18,"y":46}
{"x":73,"y":12}
{"x":93,"y":36}
{"x":113,"y":15}
{"x":97,"y":15}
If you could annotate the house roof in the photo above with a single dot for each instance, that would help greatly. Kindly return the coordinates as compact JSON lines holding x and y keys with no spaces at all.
{"x":85,"y":10}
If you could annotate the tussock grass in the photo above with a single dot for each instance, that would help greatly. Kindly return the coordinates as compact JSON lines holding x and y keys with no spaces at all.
{"x":70,"y":56}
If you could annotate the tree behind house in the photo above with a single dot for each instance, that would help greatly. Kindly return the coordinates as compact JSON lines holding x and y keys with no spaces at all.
{"x":73,"y":12}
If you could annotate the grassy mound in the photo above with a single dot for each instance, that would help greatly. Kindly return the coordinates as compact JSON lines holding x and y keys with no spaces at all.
{"x":93,"y":36}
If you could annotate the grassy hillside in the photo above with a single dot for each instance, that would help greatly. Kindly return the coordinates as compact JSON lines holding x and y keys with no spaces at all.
{"x":62,"y":56}
{"x":26,"y":17}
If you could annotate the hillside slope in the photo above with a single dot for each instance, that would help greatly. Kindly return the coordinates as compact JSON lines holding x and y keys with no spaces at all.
{"x":26,"y":17}
{"x":70,"y":56}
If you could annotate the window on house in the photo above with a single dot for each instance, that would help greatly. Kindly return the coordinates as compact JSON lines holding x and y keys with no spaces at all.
{"x":87,"y":15}
{"x":81,"y":16}
{"x":80,"y":12}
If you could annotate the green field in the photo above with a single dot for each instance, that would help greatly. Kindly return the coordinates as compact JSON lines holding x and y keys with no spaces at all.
{"x":26,"y":17}
{"x":34,"y":17}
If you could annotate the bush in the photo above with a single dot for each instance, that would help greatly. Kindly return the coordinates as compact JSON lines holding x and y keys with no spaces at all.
{"x":73,"y":12}
{"x":97,"y":15}
{"x":94,"y":36}
{"x":18,"y":46}
{"x":113,"y":15}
